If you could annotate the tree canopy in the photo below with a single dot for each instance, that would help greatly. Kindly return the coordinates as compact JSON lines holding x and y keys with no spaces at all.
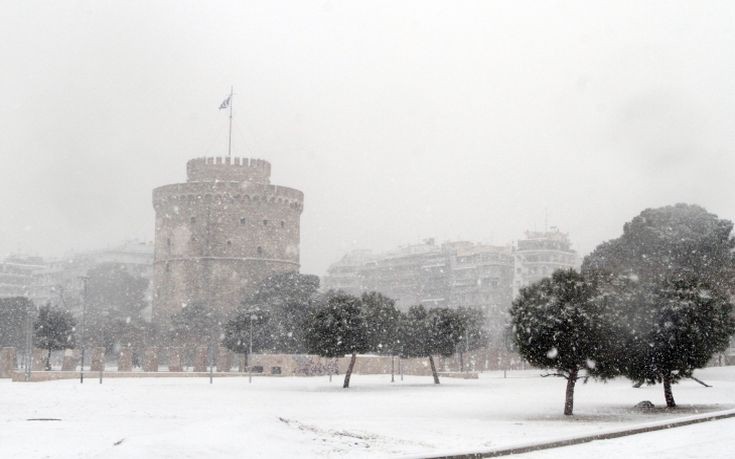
{"x":425,"y":333}
{"x":382,"y":320}
{"x":557,"y":325}
{"x":195,"y":324}
{"x":113,"y":291}
{"x":53,"y":331}
{"x":13,"y":316}
{"x":338,"y":327}
{"x":669,"y":243}
{"x":666,"y":283}
{"x":286,"y":299}
{"x":247,"y":324}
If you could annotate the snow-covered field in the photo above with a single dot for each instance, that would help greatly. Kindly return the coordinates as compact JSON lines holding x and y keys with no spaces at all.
{"x":311,"y":417}
{"x":707,"y":440}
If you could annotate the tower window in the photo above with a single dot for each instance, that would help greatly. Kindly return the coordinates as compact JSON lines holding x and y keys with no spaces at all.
{"x":242,"y":220}
{"x":168,"y":243}
{"x":283,"y":224}
{"x":265,"y":222}
{"x":193,"y":220}
{"x":229,"y":243}
{"x":260,"y":250}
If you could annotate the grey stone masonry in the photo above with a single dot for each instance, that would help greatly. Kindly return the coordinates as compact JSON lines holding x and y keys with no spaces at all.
{"x":174,"y":359}
{"x":7,"y":361}
{"x":71,"y":360}
{"x":98,"y":359}
{"x":201,"y":359}
{"x":125,"y":360}
{"x":150,"y":359}
{"x":224,"y":359}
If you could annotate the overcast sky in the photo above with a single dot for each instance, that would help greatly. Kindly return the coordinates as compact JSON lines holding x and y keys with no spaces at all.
{"x":400,"y":120}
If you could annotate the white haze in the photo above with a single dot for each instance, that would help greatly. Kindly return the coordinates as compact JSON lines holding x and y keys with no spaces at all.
{"x":399,"y":120}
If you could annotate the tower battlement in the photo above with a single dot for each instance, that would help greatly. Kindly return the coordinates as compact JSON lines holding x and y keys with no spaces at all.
{"x":223,"y":168}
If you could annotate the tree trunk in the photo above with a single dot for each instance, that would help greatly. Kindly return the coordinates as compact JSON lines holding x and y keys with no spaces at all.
{"x":461,"y":361}
{"x":433,"y":370}
{"x":668,"y":395}
{"x":48,"y":360}
{"x":569,"y":401}
{"x":349,"y":371}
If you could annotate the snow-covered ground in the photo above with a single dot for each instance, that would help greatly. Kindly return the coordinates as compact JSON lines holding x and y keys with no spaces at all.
{"x":311,"y":417}
{"x":707,"y":440}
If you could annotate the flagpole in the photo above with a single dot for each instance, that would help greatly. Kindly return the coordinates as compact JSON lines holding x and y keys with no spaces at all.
{"x":229,"y":138}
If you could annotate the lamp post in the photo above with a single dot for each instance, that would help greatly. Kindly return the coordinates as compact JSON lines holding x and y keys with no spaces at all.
{"x":81,"y":341}
{"x":29,"y":345}
{"x":250,"y":348}
{"x":252,"y":316}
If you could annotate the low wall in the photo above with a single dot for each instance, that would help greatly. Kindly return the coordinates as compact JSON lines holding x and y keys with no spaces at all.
{"x":39,"y":376}
{"x":259,"y":364}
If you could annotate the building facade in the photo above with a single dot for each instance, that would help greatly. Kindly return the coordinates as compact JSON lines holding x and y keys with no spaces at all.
{"x":17,"y":275}
{"x":453,"y":274}
{"x":540,"y":254}
{"x":59,"y":282}
{"x":221,"y":233}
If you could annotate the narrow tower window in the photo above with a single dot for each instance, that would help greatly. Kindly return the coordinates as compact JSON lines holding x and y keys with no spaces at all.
{"x":260,"y":250}
{"x":242,"y":220}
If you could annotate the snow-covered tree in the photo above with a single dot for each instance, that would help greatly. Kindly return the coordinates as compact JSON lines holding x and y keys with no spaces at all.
{"x":665,"y":331}
{"x":667,"y":283}
{"x":338,"y":327}
{"x":382,"y":319}
{"x":115,"y":293}
{"x":195,"y":324}
{"x":13,"y":316}
{"x":249,"y":324}
{"x":425,"y":333}
{"x":558,"y":326}
{"x":287,"y":300}
{"x":476,"y":334}
{"x":53,"y":331}
{"x":669,"y":243}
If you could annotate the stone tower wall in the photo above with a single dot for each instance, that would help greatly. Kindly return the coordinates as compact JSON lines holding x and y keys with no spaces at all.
{"x":221,"y":233}
{"x":228,"y":169}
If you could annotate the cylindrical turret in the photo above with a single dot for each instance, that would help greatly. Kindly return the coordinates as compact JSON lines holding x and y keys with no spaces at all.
{"x":221,"y":233}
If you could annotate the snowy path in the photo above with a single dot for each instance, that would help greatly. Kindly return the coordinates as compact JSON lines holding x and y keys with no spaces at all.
{"x":709,"y":440}
{"x":309,"y":417}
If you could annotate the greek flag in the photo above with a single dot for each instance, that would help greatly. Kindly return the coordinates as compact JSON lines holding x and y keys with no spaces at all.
{"x":225,"y":103}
